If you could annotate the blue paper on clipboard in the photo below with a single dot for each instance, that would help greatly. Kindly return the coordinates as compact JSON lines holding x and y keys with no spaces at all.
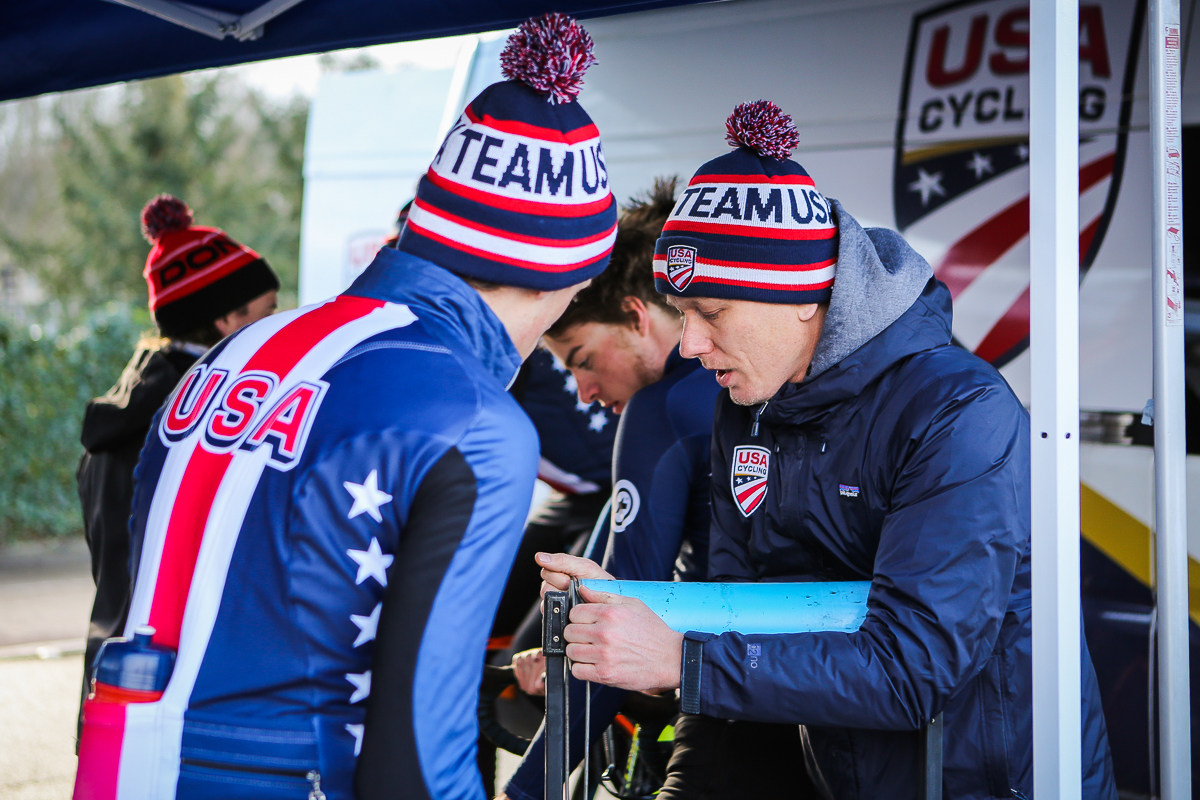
{"x":749,"y":607}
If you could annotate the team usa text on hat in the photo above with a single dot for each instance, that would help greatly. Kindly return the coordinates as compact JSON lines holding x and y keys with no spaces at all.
{"x":751,"y":224}
{"x":518,"y":193}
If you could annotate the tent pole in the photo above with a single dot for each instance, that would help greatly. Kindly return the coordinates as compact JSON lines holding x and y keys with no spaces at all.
{"x":1054,"y":364}
{"x":1170,"y":490}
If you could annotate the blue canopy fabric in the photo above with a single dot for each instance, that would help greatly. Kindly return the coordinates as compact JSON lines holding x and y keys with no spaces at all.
{"x":53,"y":46}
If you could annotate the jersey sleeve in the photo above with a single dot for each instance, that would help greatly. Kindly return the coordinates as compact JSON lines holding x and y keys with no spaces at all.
{"x":454,"y":552}
{"x":948,"y":554}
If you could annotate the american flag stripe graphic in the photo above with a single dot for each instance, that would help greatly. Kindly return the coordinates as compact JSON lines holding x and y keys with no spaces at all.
{"x":982,"y":247}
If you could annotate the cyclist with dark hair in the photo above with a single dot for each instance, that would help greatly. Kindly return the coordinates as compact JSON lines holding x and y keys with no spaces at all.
{"x":620,"y":339}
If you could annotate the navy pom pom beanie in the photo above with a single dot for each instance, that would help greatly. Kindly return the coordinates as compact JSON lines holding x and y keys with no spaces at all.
{"x":518,"y":193}
{"x":751,"y":224}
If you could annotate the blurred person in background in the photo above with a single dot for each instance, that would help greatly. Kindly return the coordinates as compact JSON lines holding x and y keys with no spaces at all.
{"x":203,"y":286}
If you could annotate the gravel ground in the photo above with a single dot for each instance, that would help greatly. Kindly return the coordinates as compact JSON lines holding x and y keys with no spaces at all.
{"x":38,"y":702}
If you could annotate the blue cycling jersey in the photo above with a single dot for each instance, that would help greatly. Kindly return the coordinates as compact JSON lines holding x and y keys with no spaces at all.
{"x":660,"y":517}
{"x":326,"y":511}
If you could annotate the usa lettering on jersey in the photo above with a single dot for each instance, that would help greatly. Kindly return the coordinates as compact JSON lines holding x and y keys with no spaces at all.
{"x":243,"y":412}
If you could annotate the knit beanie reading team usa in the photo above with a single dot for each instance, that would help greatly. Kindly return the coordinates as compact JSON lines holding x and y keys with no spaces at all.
{"x":195,"y":274}
{"x":751,"y":225}
{"x":518,"y":193}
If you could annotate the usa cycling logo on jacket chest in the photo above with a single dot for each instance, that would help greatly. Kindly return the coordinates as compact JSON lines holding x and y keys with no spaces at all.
{"x":243,"y":413}
{"x":749,"y":477}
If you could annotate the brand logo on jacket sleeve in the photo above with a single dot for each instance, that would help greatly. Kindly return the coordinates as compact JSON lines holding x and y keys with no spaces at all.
{"x":681,"y":265}
{"x":748,"y":477}
{"x":625,"y":504}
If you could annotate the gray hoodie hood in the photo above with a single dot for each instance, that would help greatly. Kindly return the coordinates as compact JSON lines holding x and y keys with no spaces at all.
{"x":879,"y":277}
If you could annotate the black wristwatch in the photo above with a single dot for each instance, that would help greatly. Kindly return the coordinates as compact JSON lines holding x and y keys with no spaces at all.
{"x":689,"y":676}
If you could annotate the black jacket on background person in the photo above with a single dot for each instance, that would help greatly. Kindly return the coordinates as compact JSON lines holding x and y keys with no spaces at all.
{"x":114,"y":430}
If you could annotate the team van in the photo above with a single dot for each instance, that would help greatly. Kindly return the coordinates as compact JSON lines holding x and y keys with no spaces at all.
{"x":916,"y":117}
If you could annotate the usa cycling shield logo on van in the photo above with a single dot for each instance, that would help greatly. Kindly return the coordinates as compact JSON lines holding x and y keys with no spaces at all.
{"x":962,"y":152}
{"x":748,"y":477}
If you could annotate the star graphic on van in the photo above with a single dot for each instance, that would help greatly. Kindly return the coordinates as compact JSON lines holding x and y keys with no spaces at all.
{"x":927,"y":185}
{"x":1023,"y":151}
{"x":981,"y":165}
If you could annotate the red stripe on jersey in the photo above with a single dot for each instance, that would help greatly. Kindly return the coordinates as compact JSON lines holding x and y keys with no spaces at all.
{"x":791,"y":180}
{"x":516,"y":262}
{"x":750,"y":231}
{"x":99,"y":768}
{"x":204,"y":472}
{"x":518,"y":128}
{"x":516,"y":237}
{"x":521,"y":206}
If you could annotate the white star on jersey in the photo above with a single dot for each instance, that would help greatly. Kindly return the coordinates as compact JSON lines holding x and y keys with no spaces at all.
{"x":981,"y":165}
{"x":372,"y":563}
{"x":572,"y":385}
{"x":367,"y":497}
{"x":1023,"y":152}
{"x":556,"y":364}
{"x":367,"y":626}
{"x":927,"y":185}
{"x":598,"y":421}
{"x":362,"y":685}
{"x":582,"y":407}
{"x":357,"y":732}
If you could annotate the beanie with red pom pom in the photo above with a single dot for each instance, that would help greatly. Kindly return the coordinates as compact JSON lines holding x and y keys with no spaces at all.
{"x":518,"y":194}
{"x":751,"y":224}
{"x":196,"y":274}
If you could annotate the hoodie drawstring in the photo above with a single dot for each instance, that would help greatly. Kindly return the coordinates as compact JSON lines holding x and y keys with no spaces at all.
{"x":757,"y":414}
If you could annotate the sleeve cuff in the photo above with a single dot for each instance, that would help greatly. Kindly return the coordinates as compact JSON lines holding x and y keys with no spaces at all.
{"x":690,"y":672}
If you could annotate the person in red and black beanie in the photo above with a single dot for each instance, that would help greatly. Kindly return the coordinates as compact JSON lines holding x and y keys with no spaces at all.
{"x":203,"y":286}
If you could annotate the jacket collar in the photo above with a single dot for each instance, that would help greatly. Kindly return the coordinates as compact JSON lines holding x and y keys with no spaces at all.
{"x":925,"y":325}
{"x":434,"y":293}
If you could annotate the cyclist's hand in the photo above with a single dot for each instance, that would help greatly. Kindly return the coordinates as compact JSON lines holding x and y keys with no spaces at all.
{"x":559,"y":568}
{"x":530,"y":669}
{"x":620,"y":642}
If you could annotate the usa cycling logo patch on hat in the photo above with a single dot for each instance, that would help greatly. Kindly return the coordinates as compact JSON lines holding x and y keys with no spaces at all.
{"x":681,"y":265}
{"x":749,"y":477}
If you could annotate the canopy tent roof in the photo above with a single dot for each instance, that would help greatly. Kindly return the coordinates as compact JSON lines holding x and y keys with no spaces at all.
{"x":72,"y":44}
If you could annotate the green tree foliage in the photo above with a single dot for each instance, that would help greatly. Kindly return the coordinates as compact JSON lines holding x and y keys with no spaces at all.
{"x":46,"y":378}
{"x":234,"y":157}
{"x":75,"y":172}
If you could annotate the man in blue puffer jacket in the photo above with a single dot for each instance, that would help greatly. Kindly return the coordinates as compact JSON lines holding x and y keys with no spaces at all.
{"x":328,"y":505}
{"x":853,"y":442}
